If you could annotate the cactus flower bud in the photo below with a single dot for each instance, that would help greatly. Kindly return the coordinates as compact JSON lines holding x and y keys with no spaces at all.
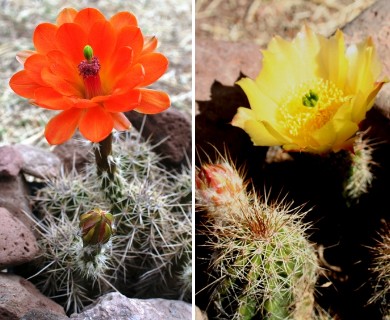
{"x":96,"y":226}
{"x":219,"y":186}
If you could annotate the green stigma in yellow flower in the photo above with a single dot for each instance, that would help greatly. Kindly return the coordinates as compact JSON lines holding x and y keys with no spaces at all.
{"x":310,"y":99}
{"x":310,"y":105}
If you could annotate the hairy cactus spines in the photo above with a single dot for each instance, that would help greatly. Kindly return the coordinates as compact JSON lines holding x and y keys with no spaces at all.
{"x":185,"y":280}
{"x":220,"y":188}
{"x":266,"y":265}
{"x":71,"y":271}
{"x":152,"y":235}
{"x":361,"y":175}
{"x":381,"y":271}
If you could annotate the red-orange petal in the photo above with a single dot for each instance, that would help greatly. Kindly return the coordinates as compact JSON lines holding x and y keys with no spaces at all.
{"x":48,"y":98}
{"x":123,"y":102}
{"x":131,"y":37}
{"x":96,"y":124}
{"x":130,"y":80}
{"x":62,"y":67}
{"x":118,"y":67}
{"x":62,"y":86}
{"x":86,"y":18}
{"x":44,"y":37}
{"x":123,"y":19}
{"x":22,"y":56}
{"x":150,"y":44}
{"x":153,"y":101}
{"x":71,"y":40}
{"x":67,"y":15}
{"x":121,"y":123}
{"x":85,"y":104}
{"x":33,"y":67}
{"x":62,"y":127}
{"x":155,"y":64}
{"x":23,"y":85}
{"x":102,"y":39}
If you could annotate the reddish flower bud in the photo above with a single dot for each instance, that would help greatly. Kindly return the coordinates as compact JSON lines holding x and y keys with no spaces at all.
{"x":96,"y":226}
{"x":219,"y":185}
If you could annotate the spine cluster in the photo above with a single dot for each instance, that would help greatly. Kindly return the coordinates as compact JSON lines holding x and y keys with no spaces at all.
{"x":360,"y":175}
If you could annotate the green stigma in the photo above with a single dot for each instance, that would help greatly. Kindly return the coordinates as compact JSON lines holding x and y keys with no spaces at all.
{"x":88,"y":52}
{"x":310,"y":99}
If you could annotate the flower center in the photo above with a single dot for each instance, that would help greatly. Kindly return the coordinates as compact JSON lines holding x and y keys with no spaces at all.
{"x":89,"y":70}
{"x":310,"y":106}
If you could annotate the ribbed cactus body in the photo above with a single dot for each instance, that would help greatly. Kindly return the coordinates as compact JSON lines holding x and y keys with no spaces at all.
{"x":265,"y":266}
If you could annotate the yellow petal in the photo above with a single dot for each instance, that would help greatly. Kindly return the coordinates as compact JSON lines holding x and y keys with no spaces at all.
{"x":286,"y":64}
{"x":258,"y":130}
{"x":263,"y":107}
{"x":333,"y":65}
{"x":364,"y":67}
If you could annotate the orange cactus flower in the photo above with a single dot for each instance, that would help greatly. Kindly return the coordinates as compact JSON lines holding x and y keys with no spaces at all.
{"x":92,"y":69}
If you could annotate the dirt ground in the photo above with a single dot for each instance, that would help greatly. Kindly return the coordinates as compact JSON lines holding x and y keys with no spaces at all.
{"x":258,"y":20}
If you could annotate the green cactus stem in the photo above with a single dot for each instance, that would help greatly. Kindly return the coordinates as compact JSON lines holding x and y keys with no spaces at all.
{"x":107,"y":171}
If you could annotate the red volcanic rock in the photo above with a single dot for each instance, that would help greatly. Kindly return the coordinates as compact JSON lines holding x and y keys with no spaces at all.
{"x":17,"y":243}
{"x":18,"y":296}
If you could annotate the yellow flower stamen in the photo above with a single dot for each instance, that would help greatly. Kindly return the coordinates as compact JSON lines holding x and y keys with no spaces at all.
{"x":309,"y":106}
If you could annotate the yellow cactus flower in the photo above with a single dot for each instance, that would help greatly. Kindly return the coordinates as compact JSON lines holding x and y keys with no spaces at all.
{"x":311,"y":93}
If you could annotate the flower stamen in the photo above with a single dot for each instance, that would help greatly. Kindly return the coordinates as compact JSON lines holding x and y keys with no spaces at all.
{"x":309,"y":106}
{"x":89,"y":70}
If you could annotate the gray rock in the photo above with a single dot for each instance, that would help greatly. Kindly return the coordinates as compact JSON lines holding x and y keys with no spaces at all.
{"x":17,"y":243}
{"x":18,"y":296}
{"x":170,"y":131}
{"x":14,"y":197}
{"x":43,"y":315}
{"x":38,"y":162}
{"x":115,"y":306}
{"x":10,"y":161}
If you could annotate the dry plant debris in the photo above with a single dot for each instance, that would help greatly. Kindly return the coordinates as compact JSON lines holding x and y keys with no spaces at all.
{"x":259,"y":20}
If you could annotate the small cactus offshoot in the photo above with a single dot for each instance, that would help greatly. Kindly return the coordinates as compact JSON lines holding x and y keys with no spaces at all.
{"x":264,"y":264}
{"x":360,"y":176}
{"x":220,"y":188}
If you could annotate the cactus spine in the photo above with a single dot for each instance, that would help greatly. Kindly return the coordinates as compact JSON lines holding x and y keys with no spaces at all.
{"x":151,"y":228}
{"x":360,"y":176}
{"x":381,"y":270}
